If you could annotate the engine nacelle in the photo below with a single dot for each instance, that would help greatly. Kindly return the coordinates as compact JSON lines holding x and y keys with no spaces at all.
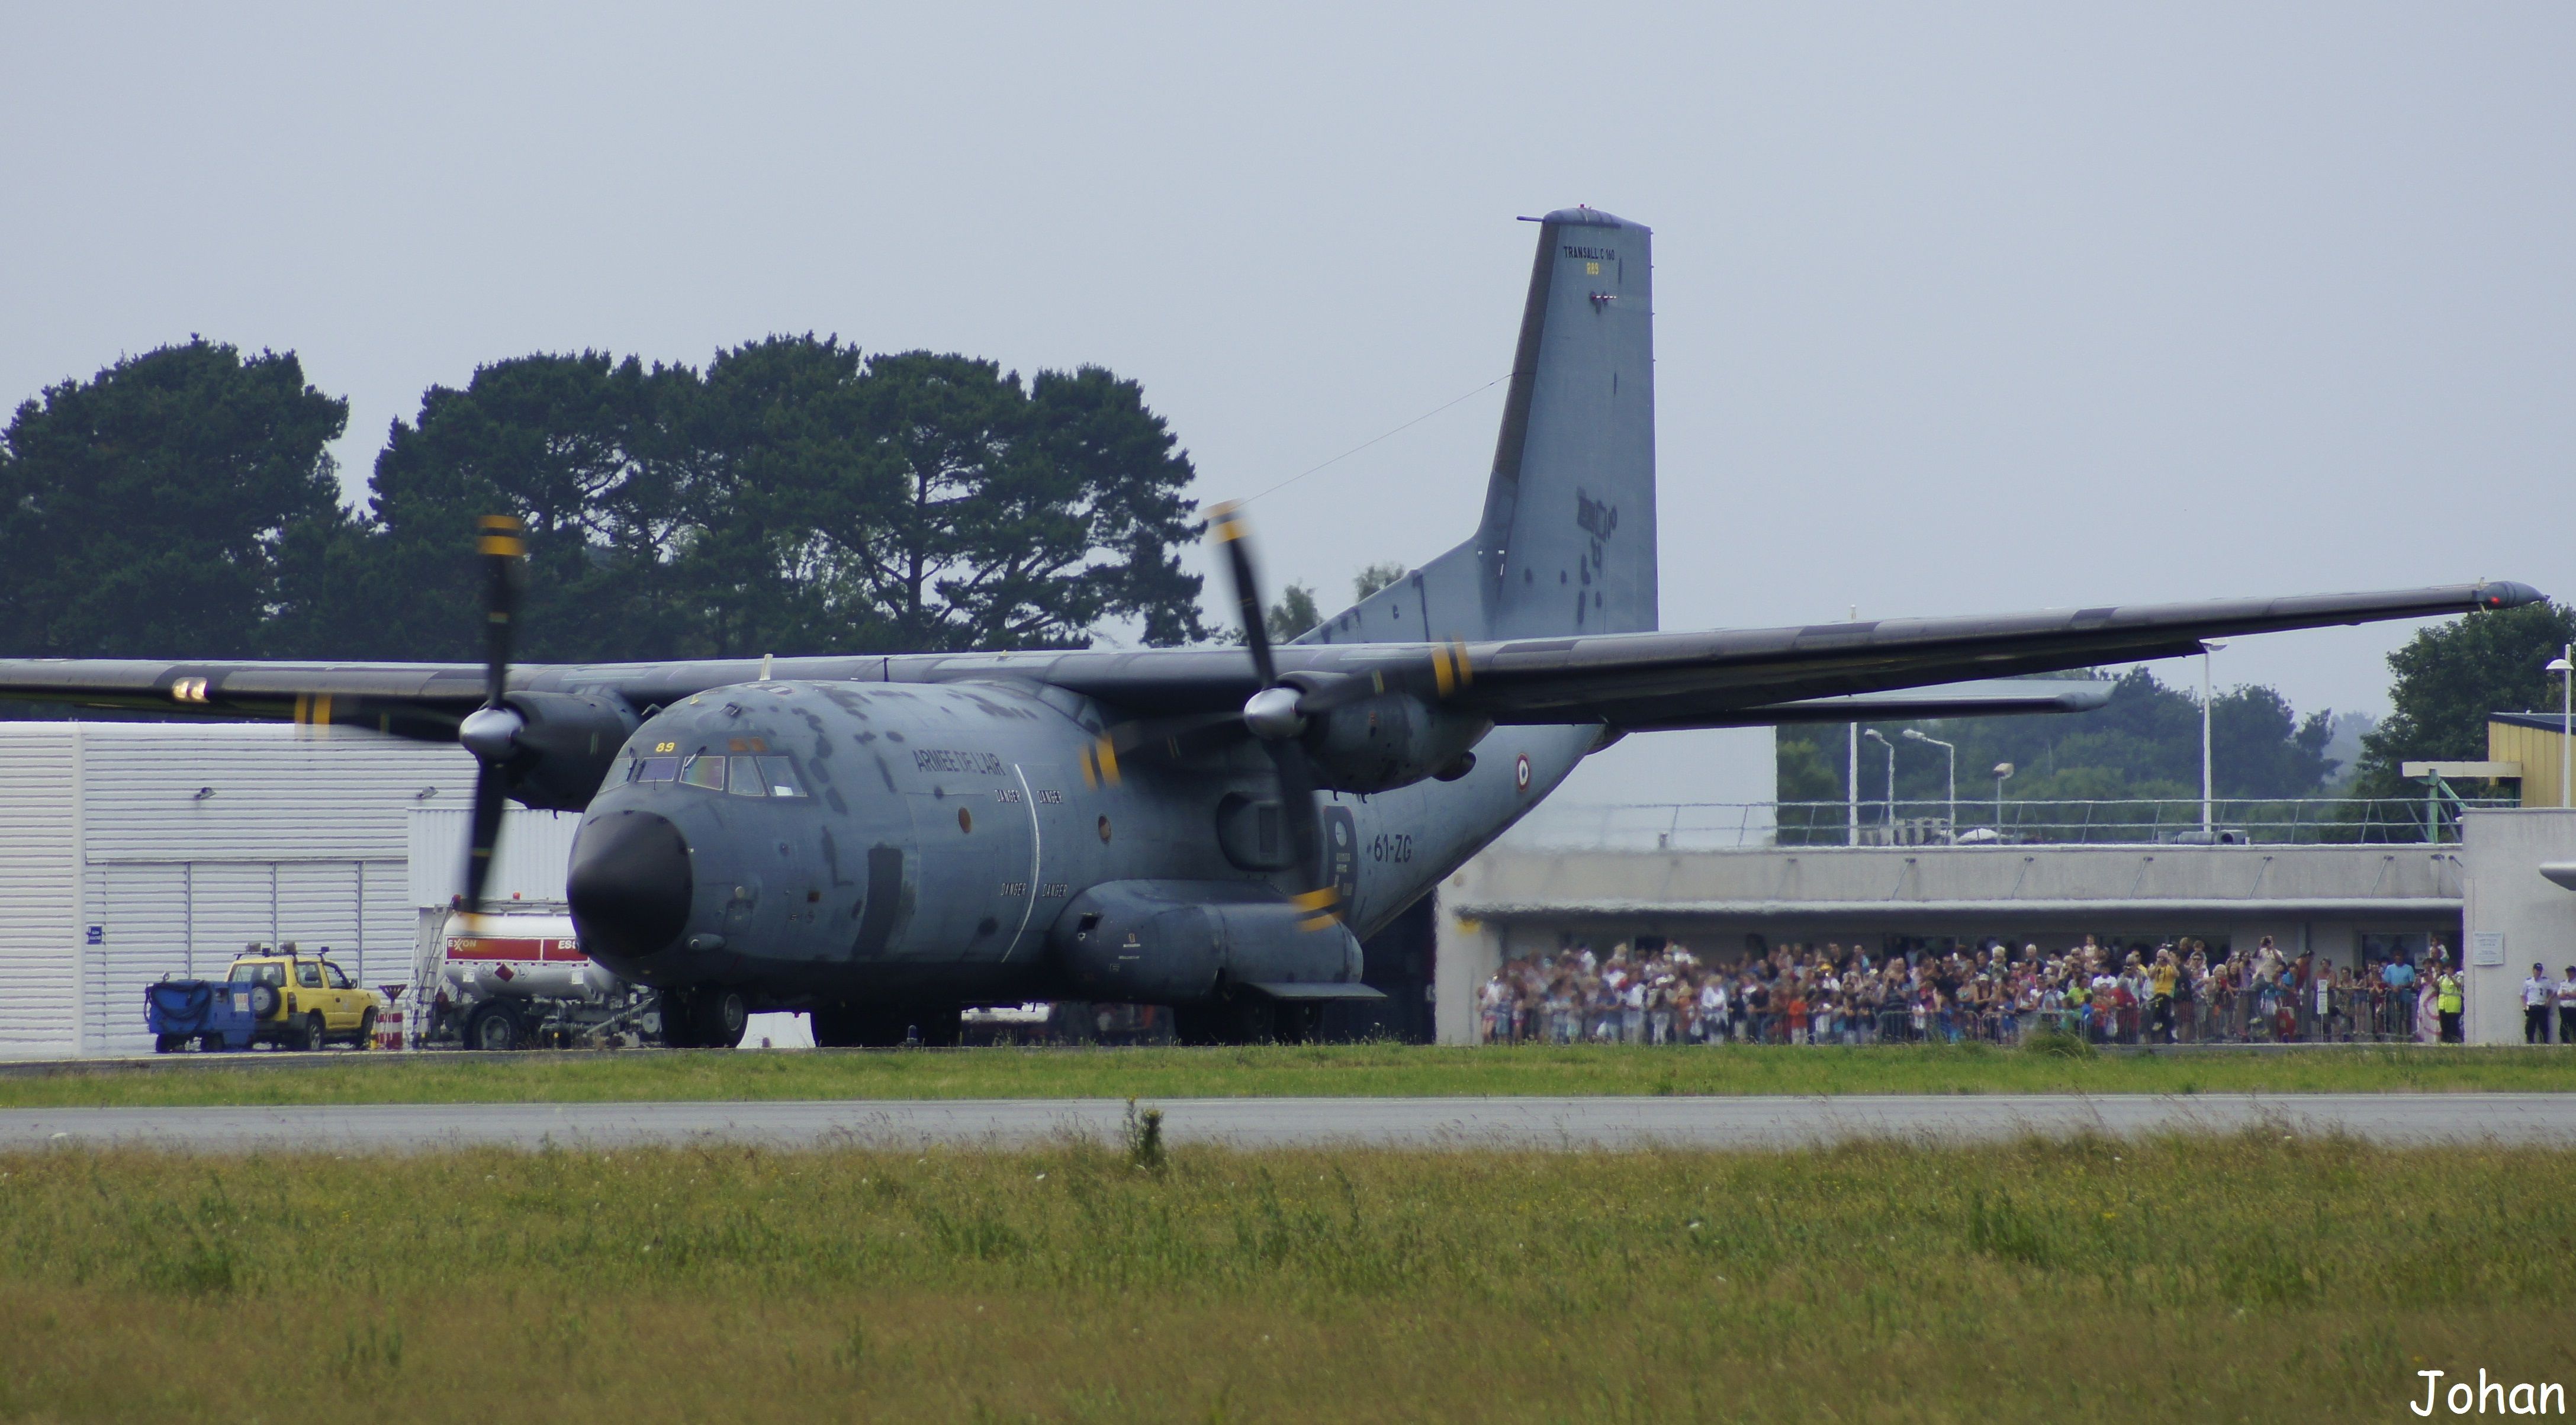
{"x":567,"y":745}
{"x":1162,"y":942}
{"x":1392,"y":740}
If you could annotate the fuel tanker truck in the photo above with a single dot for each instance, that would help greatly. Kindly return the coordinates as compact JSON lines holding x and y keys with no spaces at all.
{"x":518,"y":981}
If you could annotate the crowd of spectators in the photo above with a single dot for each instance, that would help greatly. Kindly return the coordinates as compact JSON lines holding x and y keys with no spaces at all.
{"x":2181,"y":991}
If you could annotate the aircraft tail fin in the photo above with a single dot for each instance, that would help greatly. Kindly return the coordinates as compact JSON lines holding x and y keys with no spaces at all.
{"x":1567,"y":543}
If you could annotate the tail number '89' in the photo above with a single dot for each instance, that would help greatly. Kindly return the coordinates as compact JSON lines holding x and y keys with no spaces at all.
{"x":1395,"y":847}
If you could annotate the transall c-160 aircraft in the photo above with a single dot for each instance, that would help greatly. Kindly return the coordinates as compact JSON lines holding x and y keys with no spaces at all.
{"x":884,"y":839}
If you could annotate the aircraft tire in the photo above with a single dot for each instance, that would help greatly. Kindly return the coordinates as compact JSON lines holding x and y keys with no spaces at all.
{"x":723,"y":1015}
{"x":704,"y":1017}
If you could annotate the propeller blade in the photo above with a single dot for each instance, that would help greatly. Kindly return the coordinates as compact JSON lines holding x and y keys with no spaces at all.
{"x":1274,"y":717}
{"x":489,"y":798}
{"x":1226,"y":523}
{"x":501,"y":546}
{"x":489,"y":731}
{"x":1298,"y":801}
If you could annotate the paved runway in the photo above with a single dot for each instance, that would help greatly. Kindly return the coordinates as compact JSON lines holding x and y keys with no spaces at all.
{"x":1527,"y":1123}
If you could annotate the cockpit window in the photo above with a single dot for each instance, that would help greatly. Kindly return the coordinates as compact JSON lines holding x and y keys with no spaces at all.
{"x":653,"y":769}
{"x":707,"y":772}
{"x":747,"y":781}
{"x":781,"y":775}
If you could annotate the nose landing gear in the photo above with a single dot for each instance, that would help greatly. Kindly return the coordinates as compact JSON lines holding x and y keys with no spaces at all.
{"x":704,"y":1017}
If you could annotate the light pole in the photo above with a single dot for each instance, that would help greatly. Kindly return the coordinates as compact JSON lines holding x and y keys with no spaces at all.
{"x":2564,"y":665}
{"x":2208,"y":646}
{"x":1851,"y":789}
{"x":1872,"y":734}
{"x":2003,"y":774}
{"x":1916,"y":735}
{"x":1851,"y":774}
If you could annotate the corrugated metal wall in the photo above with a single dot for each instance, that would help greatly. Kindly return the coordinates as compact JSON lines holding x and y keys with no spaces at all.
{"x":2537,"y":751}
{"x":528,"y":866}
{"x":40,"y":890}
{"x":133,"y":850}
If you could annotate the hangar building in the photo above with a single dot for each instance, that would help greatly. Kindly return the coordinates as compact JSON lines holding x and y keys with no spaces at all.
{"x":130,"y":850}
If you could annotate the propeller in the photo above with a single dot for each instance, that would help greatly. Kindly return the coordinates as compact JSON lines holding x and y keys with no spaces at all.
{"x":1275,"y":716}
{"x":491,"y":732}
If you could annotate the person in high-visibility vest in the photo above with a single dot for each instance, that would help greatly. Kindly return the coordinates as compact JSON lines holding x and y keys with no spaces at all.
{"x":2446,"y":1002}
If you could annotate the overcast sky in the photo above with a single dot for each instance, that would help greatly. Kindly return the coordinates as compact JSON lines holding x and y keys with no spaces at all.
{"x":1960,"y":308}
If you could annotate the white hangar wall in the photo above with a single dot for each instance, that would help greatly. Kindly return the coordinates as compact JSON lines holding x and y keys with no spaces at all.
{"x":133,"y":850}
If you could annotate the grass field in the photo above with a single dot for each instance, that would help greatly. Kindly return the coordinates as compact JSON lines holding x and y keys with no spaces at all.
{"x":1335,"y":1070}
{"x":2238,"y":1279}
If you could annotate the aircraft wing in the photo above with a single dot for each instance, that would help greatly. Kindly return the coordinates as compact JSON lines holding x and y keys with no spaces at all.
{"x":423,"y":700}
{"x":1993,"y":697}
{"x":1671,"y":680}
{"x":1637,"y":681}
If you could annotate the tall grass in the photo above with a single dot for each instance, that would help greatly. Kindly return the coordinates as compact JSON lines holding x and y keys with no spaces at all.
{"x":2237,"y":1278}
{"x":1321,"y":1070}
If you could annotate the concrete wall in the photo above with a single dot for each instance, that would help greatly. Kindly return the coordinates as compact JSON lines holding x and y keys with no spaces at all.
{"x":2501,"y":852}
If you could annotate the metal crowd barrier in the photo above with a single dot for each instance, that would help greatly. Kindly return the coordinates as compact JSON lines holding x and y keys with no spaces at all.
{"x":2220,"y":1015}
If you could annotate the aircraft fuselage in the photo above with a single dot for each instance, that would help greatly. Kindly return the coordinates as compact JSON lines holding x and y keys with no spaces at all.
{"x":819,"y":842}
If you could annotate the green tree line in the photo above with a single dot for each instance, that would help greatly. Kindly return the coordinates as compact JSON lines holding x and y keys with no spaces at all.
{"x":2144,"y":743}
{"x":793,"y":496}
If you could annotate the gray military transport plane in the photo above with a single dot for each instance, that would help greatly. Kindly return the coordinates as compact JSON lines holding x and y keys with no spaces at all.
{"x":884,"y":839}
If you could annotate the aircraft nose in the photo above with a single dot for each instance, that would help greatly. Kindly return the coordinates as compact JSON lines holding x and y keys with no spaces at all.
{"x":629,"y":885}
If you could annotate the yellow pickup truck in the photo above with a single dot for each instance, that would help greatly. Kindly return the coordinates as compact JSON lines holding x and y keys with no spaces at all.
{"x":304,"y":1001}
